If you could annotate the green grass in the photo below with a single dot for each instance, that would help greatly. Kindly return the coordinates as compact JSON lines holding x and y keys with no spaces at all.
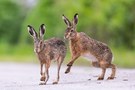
{"x":124,"y":58}
{"x":24,"y":53}
{"x":20,"y":53}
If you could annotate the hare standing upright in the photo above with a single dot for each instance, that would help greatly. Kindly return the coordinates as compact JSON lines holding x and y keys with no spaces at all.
{"x":82,"y":45}
{"x":46,"y":51}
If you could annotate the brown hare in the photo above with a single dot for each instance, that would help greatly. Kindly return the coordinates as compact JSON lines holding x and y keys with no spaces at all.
{"x":82,"y":45}
{"x":46,"y":51}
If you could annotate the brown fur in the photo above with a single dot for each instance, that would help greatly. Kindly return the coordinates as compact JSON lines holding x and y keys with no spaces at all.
{"x":82,"y":45}
{"x":46,"y":51}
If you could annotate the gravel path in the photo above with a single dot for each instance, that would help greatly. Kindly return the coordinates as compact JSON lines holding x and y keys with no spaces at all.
{"x":14,"y":76}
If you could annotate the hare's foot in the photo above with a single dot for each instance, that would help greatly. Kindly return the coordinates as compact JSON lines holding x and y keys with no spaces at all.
{"x":110,"y":78}
{"x":43,"y":83}
{"x":42,"y":78}
{"x":67,"y":70}
{"x":55,"y":82}
{"x":100,"y":78}
{"x":113,"y":72}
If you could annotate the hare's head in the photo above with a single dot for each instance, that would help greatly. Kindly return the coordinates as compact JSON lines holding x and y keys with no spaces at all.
{"x":71,"y":27}
{"x":38,"y":40}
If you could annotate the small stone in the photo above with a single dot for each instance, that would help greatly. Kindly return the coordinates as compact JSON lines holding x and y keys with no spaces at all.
{"x":98,"y":82}
{"x":125,"y":79}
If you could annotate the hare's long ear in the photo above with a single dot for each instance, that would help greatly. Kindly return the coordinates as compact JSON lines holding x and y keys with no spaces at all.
{"x":41,"y":31}
{"x":32,"y":32}
{"x":75,"y":20}
{"x":68,"y":23}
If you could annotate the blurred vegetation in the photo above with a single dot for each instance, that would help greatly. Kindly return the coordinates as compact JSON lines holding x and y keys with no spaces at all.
{"x":10,"y":21}
{"x":109,"y":21}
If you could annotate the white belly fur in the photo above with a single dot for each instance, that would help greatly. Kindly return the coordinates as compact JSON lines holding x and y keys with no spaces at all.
{"x":89,"y":57}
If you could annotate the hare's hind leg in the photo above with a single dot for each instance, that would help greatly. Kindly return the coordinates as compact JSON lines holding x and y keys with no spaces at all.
{"x":101,"y":77}
{"x":71,"y":63}
{"x":59,"y":62}
{"x":102,"y":65}
{"x":113,"y":72}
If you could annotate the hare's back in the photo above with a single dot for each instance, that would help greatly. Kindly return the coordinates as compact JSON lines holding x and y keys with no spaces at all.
{"x":93,"y":45}
{"x":56,"y":45}
{"x":97,"y":49}
{"x":55,"y":42}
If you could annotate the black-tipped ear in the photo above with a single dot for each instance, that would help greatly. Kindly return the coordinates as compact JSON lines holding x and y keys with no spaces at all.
{"x":68,"y":23}
{"x":32,"y":32}
{"x":75,"y":21}
{"x":42,"y":31}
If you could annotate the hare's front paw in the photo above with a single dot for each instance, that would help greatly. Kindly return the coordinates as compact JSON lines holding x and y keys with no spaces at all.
{"x":110,"y":78}
{"x":42,"y":78}
{"x":67,"y":70}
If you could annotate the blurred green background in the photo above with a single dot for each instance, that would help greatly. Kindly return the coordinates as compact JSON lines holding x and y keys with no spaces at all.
{"x":109,"y":21}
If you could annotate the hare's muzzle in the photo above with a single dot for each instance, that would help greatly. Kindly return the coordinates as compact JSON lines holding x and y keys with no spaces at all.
{"x":36,"y":50}
{"x":66,"y":36}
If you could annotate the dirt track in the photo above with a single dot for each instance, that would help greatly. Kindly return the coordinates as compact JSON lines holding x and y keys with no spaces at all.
{"x":15,"y":76}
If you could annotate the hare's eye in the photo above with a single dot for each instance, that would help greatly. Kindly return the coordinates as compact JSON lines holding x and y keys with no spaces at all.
{"x":72,"y":30}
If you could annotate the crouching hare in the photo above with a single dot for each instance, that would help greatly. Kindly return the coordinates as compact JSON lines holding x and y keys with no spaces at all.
{"x":46,"y":51}
{"x":82,"y":45}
